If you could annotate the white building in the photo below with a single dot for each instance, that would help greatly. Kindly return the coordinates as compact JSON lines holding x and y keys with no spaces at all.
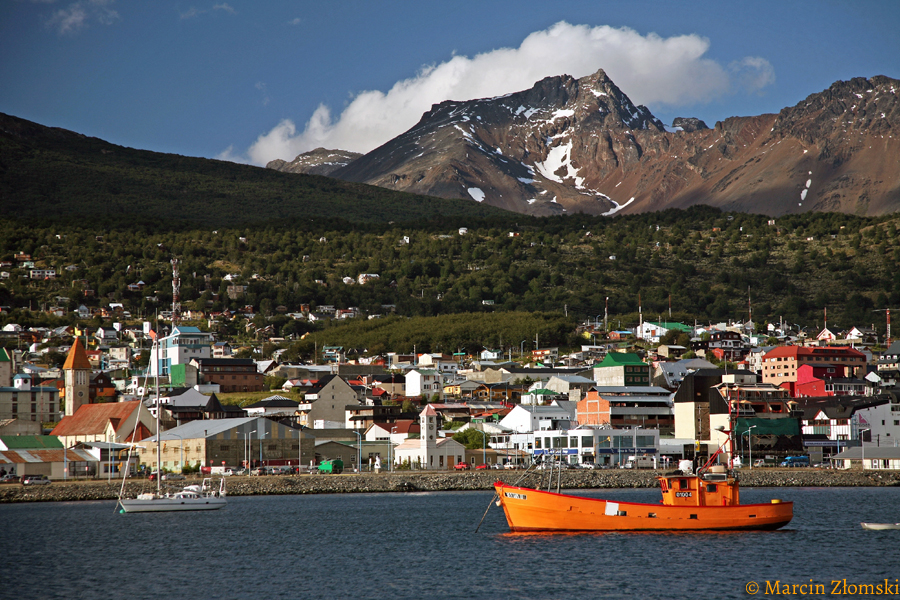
{"x":423,"y":381}
{"x":430,"y":452}
{"x":179,"y":348}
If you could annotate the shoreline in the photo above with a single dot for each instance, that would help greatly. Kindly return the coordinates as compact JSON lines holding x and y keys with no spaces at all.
{"x":412,"y":481}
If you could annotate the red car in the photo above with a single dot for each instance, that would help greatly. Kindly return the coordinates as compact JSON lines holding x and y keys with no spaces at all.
{"x":483,"y":467}
{"x":462,"y":466}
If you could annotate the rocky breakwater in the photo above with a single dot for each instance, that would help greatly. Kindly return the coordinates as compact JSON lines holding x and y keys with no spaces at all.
{"x":444,"y":481}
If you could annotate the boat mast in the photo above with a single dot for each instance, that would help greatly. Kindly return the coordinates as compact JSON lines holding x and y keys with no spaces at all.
{"x":158,"y":443}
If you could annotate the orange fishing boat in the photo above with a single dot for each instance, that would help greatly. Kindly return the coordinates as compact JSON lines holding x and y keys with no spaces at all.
{"x":708,"y":500}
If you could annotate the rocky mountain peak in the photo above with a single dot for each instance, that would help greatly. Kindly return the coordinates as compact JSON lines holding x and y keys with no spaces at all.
{"x":581,"y":145}
{"x":315,"y":162}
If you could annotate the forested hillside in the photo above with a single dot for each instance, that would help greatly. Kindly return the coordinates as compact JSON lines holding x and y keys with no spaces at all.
{"x":53,"y":175}
{"x":708,"y":265}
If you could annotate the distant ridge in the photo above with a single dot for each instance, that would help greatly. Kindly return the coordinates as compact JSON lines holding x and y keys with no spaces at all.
{"x":50,"y":174}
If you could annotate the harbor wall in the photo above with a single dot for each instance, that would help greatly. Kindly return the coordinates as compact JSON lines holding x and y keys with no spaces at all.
{"x":65,"y":491}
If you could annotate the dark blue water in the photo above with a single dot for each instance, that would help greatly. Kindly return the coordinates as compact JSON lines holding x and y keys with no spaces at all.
{"x":395,"y":546}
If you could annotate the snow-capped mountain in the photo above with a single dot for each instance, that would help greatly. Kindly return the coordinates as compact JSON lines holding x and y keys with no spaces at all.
{"x":568,"y":145}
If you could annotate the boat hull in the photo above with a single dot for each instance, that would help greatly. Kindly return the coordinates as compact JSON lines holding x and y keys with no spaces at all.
{"x":534,"y":510}
{"x":171,"y":504}
{"x":880,"y":526}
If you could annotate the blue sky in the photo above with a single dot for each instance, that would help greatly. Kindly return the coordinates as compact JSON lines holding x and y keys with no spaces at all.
{"x":253,"y":81}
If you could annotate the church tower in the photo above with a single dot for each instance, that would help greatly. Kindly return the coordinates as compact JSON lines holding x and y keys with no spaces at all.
{"x":77,"y":370}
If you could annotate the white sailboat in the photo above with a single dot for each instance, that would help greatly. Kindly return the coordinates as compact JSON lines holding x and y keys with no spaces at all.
{"x":206,"y":496}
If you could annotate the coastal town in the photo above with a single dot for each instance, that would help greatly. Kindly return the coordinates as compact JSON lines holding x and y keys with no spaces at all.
{"x":625,"y":399}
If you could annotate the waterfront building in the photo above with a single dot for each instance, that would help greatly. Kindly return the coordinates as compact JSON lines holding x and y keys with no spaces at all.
{"x":429,"y":451}
{"x":628,"y":406}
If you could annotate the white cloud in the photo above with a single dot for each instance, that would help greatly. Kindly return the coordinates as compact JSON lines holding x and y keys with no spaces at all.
{"x":650,"y":69}
{"x":752,"y":73}
{"x":194,"y":12}
{"x":69,"y":20}
{"x":78,"y":15}
{"x":295,"y":21}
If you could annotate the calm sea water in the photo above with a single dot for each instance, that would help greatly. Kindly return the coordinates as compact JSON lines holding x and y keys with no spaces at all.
{"x":423,"y":545}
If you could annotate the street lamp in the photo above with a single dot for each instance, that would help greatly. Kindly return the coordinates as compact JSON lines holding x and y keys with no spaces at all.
{"x":522,"y":348}
{"x":750,"y":445}
{"x":862,"y":446}
{"x":259,"y":437}
{"x":358,"y":451}
{"x":483,"y":445}
{"x":391,"y":448}
{"x":247,"y":449}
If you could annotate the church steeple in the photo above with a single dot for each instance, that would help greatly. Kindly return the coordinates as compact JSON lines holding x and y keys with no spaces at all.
{"x":77,"y":370}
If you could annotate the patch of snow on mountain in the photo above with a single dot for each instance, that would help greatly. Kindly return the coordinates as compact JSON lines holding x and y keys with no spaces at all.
{"x":498,"y":151}
{"x":476,"y":193}
{"x":532,"y":200}
{"x":525,"y":180}
{"x":465,"y":133}
{"x":808,"y":182}
{"x":557,"y":158}
{"x":563,"y":112}
{"x":530,"y":112}
{"x":520,"y":110}
{"x":673,"y":129}
{"x":598,"y":93}
{"x":803,"y":194}
{"x":617,"y":207}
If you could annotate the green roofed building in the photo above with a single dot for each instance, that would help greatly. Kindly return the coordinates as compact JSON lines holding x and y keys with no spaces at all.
{"x":622,"y":369}
{"x":30,"y":442}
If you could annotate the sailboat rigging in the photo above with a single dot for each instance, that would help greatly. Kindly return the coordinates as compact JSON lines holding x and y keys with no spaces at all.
{"x":205,"y":496}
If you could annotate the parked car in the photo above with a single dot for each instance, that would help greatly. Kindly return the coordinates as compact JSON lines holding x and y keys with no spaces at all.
{"x":172,"y":477}
{"x":462,"y":466}
{"x":510,"y":465}
{"x":483,"y":467}
{"x":35,"y":480}
{"x":9,"y":478}
{"x":261,"y":471}
{"x":497,"y":466}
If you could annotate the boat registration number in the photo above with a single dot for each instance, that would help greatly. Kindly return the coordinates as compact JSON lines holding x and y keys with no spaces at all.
{"x":516,"y":496}
{"x":682,"y":494}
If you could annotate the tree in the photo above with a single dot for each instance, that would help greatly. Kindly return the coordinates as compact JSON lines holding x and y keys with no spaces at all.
{"x":472,"y":439}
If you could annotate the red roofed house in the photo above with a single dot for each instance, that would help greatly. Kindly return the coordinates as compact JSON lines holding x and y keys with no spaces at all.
{"x":780,"y":365}
{"x":107,"y":422}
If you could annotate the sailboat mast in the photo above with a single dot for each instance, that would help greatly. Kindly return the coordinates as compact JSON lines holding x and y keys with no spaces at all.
{"x":158,"y":443}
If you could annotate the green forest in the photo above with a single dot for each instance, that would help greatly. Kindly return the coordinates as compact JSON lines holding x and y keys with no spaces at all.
{"x":708,"y":266}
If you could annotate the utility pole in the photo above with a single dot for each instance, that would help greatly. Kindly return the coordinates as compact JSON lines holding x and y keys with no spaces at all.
{"x":606,"y":316}
{"x":176,"y":293}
